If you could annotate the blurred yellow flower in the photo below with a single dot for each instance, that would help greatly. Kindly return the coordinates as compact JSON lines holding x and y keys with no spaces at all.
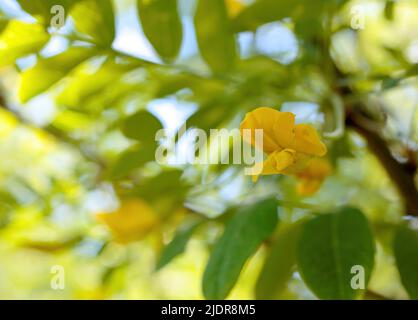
{"x":312,"y":177}
{"x":289,"y":147}
{"x":234,"y":7}
{"x":132,"y":221}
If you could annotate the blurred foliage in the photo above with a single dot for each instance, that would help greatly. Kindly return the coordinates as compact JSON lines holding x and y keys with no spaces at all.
{"x":80,"y":187}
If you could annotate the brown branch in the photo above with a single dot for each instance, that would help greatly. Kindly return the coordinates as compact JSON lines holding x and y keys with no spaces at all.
{"x":402,"y":175}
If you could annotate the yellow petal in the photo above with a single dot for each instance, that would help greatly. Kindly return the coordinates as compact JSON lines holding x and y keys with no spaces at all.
{"x":132,"y":221}
{"x":309,"y":186}
{"x":299,"y":164}
{"x":317,"y":168}
{"x":281,"y":160}
{"x":307,"y":141}
{"x":277,"y":162}
{"x":277,"y":127}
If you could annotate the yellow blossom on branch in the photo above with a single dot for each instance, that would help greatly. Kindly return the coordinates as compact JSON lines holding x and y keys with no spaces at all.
{"x":289,"y":146}
{"x":312,"y":177}
{"x":132,"y":221}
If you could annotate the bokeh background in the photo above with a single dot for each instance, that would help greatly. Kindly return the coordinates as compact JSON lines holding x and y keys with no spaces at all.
{"x":80,"y":106}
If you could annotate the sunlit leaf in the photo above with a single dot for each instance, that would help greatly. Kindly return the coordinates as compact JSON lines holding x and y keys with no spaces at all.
{"x":243,"y":234}
{"x":86,"y":84}
{"x":49,"y":71}
{"x":96,"y":19}
{"x":41,"y":9}
{"x":161,"y":24}
{"x":20,"y":39}
{"x":305,"y":13}
{"x":214,"y":35}
{"x":264,"y":11}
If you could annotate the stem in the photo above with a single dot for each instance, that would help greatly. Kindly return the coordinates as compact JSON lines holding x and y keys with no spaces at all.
{"x":401,"y":175}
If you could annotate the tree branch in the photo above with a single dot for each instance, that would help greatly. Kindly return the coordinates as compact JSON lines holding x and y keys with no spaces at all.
{"x":401,"y":175}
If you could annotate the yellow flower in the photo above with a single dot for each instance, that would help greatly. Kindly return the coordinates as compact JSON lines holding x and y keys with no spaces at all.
{"x":132,"y":221}
{"x":234,"y":7}
{"x":289,"y":147}
{"x":312,"y":177}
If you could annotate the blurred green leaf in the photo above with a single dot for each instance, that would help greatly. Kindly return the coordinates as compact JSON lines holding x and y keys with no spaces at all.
{"x":406,"y":254}
{"x":207,"y":117}
{"x":389,"y":9}
{"x":142,"y":126}
{"x":243,"y":234}
{"x":340,"y":148}
{"x":279,"y":263}
{"x":96,"y":19}
{"x":214,"y":35}
{"x":306,"y":14}
{"x":330,"y":245}
{"x":412,"y":71}
{"x":161,"y":24}
{"x":49,"y":71}
{"x":132,"y":159}
{"x":177,"y":245}
{"x":3,"y":23}
{"x":41,"y":9}
{"x":264,"y":11}
{"x":20,"y":39}
{"x":86,"y":85}
{"x":167,"y":183}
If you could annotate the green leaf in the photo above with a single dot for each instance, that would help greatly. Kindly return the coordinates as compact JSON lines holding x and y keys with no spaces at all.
{"x":168,"y":183}
{"x":162,"y":26}
{"x":37,"y":8}
{"x":20,"y":39}
{"x":3,"y":23}
{"x":86,"y":84}
{"x":412,"y":71}
{"x":264,"y":11}
{"x":330,"y":245}
{"x":41,"y":9}
{"x":279,"y":263}
{"x":214,"y":35}
{"x":305,"y":13}
{"x":389,"y":9}
{"x":212,"y":114}
{"x":243,"y":234}
{"x":95,"y":18}
{"x":132,"y":159}
{"x":177,"y":245}
{"x":406,"y":254}
{"x":49,"y":71}
{"x":341,"y":148}
{"x":142,"y":126}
